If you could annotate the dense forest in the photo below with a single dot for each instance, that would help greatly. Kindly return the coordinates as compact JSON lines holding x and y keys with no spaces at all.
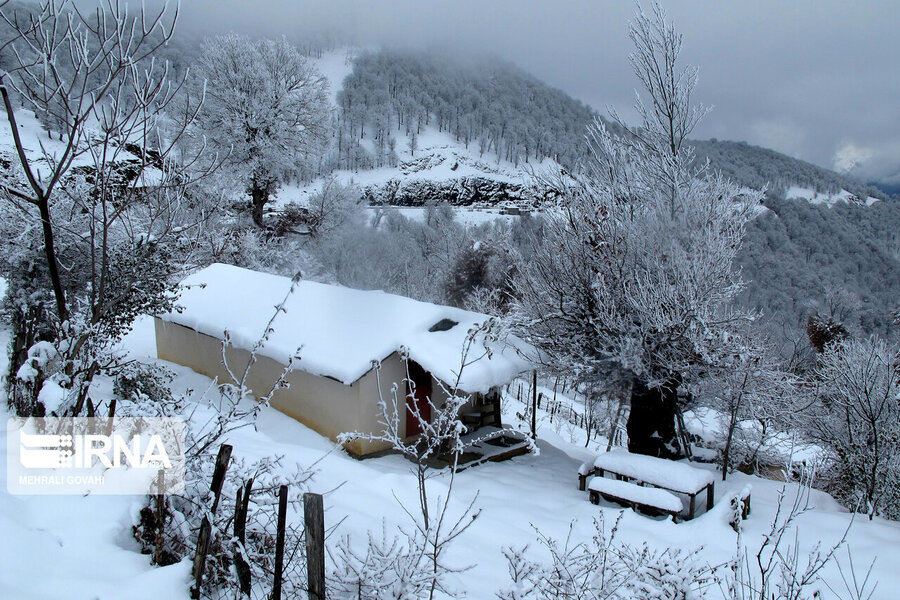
{"x":799,"y":258}
{"x":756,"y":167}
{"x":494,"y":105}
{"x":502,"y":110}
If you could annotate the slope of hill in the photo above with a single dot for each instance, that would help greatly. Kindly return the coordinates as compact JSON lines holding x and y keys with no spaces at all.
{"x":756,"y":167}
{"x":447,"y":130}
{"x":487,"y":104}
{"x":800,"y":257}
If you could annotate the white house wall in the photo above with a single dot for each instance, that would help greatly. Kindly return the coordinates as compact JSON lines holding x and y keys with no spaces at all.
{"x":323,"y":404}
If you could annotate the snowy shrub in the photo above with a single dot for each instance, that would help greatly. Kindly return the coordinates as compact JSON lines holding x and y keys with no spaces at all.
{"x":778,"y":570}
{"x":480,"y":273}
{"x":602,"y":568}
{"x":147,"y":387}
{"x":169,"y":532}
{"x":390,"y":568}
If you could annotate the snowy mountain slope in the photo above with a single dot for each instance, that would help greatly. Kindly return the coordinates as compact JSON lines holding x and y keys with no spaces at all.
{"x":439,"y":170}
{"x":381,"y":92}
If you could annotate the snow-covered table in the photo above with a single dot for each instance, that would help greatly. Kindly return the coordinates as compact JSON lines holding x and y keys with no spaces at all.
{"x":666,"y":474}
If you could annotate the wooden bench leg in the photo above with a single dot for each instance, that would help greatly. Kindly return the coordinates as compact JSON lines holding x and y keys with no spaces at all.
{"x":691,"y":509}
{"x":594,"y":497}
{"x":582,"y":482}
{"x":710,"y":495}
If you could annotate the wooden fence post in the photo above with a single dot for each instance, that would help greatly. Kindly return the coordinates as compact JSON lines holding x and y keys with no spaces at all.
{"x":206,"y":526}
{"x":160,"y":515}
{"x":314,"y":523}
{"x":242,"y":504}
{"x":279,"y":542}
{"x":534,"y":404}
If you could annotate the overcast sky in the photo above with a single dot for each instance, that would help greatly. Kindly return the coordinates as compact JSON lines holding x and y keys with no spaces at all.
{"x":816,"y":79}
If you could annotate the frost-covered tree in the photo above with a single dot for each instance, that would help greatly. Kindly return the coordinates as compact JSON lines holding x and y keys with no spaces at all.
{"x":751,"y":391}
{"x":265,"y":110}
{"x":479,"y":270}
{"x":96,"y":218}
{"x":857,"y":418}
{"x":633,"y":280}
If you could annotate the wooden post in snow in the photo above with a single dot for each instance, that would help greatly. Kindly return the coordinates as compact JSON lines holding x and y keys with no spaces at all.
{"x":279,"y":542}
{"x":241,"y":565}
{"x":112,"y":417}
{"x":206,"y":526}
{"x":314,"y":523}
{"x":160,"y":513}
{"x":534,"y":404}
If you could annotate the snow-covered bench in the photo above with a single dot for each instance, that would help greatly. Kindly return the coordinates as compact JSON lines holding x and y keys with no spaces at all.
{"x":650,"y":500}
{"x":665,"y":474}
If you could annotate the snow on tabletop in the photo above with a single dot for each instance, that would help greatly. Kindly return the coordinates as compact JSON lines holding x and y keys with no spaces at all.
{"x":657,"y":471}
{"x":642,"y":495}
{"x":339,"y":331}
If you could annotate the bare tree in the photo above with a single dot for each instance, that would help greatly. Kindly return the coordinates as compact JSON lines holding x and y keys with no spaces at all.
{"x":104,"y":210}
{"x":752,"y":392}
{"x":633,"y":278}
{"x":857,"y":418}
{"x":434,"y":528}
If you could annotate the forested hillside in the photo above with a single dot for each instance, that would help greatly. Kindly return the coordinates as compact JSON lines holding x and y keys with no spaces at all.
{"x":491,"y":104}
{"x":755,"y":167}
{"x":799,"y":258}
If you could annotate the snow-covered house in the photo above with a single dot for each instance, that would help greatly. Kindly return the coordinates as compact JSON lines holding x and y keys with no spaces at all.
{"x":338,"y":334}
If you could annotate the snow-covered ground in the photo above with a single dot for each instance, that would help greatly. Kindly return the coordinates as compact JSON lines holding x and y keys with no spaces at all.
{"x":814,"y":197}
{"x":438,"y":157}
{"x":79,"y":547}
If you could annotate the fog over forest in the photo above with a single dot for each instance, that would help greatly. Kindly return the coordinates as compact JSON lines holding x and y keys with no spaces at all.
{"x":815,"y":80}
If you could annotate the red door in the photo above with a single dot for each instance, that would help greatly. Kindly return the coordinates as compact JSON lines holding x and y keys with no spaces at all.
{"x":418,"y":393}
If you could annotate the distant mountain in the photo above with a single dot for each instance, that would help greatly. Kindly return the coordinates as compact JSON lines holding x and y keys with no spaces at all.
{"x":755,"y":167}
{"x":842,"y":259}
{"x":494,"y":108}
{"x":892,"y":189}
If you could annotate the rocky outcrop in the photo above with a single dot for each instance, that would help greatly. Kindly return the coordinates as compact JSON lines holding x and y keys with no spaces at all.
{"x":463,"y":191}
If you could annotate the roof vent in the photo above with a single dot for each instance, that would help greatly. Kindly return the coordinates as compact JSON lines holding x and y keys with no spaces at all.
{"x":443,"y":325}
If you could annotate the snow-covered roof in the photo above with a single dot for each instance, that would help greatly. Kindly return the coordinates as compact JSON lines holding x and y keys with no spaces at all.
{"x":339,"y":331}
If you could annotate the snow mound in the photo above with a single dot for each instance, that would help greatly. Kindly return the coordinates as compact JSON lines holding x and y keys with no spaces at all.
{"x":339,"y":331}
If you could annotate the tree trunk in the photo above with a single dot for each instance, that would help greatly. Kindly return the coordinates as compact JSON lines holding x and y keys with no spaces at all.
{"x":259,"y":196}
{"x":651,"y":423}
